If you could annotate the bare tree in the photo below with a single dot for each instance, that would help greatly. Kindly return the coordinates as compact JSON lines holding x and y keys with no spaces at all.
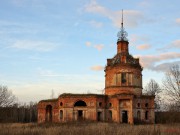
{"x":171,"y":85}
{"x":153,"y":88}
{"x":6,"y":97}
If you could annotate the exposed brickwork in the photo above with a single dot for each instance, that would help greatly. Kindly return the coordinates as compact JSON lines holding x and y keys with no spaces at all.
{"x":123,"y":101}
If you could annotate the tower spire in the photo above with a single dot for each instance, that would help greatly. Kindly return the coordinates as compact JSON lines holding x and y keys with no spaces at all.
{"x":122,"y":20}
{"x":122,"y":34}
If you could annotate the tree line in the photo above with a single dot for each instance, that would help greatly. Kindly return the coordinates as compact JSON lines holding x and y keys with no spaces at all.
{"x":12,"y":111}
{"x":23,"y":113}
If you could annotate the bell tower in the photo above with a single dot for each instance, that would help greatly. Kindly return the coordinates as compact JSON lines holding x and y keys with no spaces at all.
{"x":123,"y":71}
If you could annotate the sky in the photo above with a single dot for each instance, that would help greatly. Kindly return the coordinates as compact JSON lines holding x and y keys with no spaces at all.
{"x":62,"y":46}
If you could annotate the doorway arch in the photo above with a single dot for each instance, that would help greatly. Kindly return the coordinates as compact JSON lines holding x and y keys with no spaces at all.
{"x":48,"y":113}
{"x":124,"y":116}
{"x":80,"y":107}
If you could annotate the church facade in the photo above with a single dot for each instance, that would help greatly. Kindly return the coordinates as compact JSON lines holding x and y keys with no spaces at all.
{"x":123,"y":101}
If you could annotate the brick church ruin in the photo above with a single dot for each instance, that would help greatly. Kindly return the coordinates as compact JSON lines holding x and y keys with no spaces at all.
{"x":122,"y":102}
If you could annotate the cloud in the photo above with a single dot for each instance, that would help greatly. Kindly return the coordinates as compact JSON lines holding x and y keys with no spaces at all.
{"x":95,"y":8}
{"x":174,"y":44}
{"x":99,"y":47}
{"x":177,"y":21}
{"x":144,"y":4}
{"x":37,"y":91}
{"x":36,"y":58}
{"x":18,"y":3}
{"x":134,"y":38}
{"x":13,"y":27}
{"x":156,"y":62}
{"x":143,"y":47}
{"x":34,"y":45}
{"x":67,"y":77}
{"x":97,"y":68}
{"x":88,"y":43}
{"x":132,"y":16}
{"x":165,"y":66}
{"x":29,"y":3}
{"x":47,"y":73}
{"x":96,"y":24}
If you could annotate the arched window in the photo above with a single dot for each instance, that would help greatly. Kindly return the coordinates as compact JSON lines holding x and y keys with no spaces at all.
{"x":80,"y":103}
{"x":61,"y":114}
{"x":138,"y":115}
{"x":110,"y":104}
{"x":146,"y":105}
{"x":138,"y":105}
{"x":123,"y":78}
{"x":146,"y":115}
{"x":100,"y":104}
{"x":61,"y":104}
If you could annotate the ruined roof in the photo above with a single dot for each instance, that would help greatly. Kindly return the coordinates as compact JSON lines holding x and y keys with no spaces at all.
{"x":116,"y":60}
{"x":49,"y":100}
{"x":81,"y":95}
{"x":146,"y":96}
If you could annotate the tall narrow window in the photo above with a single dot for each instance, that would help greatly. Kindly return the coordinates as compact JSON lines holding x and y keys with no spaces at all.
{"x":100,"y":104}
{"x":110,"y":104}
{"x":146,"y":115}
{"x":123,"y":78}
{"x":118,"y":79}
{"x":130,"y":79}
{"x":138,"y":115}
{"x":110,"y":115}
{"x":138,"y":105}
{"x":61,"y":114}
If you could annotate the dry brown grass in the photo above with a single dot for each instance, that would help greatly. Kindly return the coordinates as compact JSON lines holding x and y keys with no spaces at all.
{"x":88,"y":129}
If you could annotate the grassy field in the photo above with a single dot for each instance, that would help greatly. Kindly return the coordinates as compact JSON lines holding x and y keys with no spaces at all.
{"x":88,"y":129}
